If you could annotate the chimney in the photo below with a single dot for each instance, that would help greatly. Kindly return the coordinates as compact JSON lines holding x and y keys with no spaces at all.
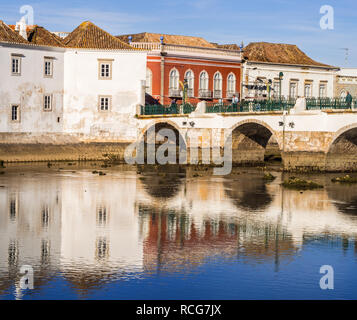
{"x":21,"y":28}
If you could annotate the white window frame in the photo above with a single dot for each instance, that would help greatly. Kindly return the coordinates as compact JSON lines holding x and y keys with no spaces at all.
{"x":102,"y":106}
{"x":148,"y":89}
{"x":217,"y":81}
{"x":18,"y":113}
{"x":204,"y":82}
{"x":276,"y":87}
{"x":107,"y":73}
{"x":308,"y":85}
{"x":191,"y":79}
{"x":174,"y":79}
{"x":19,"y":62}
{"x":323,"y":85}
{"x":292,"y":84}
{"x":231,"y":83}
{"x":45,"y":68}
{"x":47,"y":102}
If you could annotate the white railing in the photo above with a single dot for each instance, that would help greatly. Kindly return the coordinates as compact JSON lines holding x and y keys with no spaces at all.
{"x":174,"y":93}
{"x":146,"y":46}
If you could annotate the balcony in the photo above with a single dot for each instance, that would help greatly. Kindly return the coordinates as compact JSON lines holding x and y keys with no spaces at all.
{"x":175,"y":93}
{"x":217,"y":94}
{"x":205,"y":94}
{"x":190,"y":93}
{"x":230,"y":94}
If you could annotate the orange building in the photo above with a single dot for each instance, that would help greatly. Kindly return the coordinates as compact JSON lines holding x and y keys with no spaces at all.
{"x":212,"y":72}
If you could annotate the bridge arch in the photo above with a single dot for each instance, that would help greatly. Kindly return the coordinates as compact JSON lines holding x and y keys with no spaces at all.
{"x":342,"y":151}
{"x":177,"y":143}
{"x":249,"y":141}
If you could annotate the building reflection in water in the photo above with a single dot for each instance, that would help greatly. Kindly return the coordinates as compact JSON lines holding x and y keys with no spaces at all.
{"x":92,"y":230}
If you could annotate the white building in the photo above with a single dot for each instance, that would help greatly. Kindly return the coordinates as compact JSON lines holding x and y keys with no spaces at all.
{"x":346,"y":81}
{"x":88,"y":84}
{"x":302,"y":76}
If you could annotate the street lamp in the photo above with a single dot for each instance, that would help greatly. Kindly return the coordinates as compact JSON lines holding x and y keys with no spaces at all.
{"x":281,"y":75}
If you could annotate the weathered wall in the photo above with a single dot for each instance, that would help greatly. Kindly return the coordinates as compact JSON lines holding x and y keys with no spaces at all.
{"x":27,"y":90}
{"x":83,"y":88}
{"x":23,"y":147}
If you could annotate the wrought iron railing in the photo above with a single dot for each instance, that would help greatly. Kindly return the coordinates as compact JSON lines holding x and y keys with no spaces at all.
{"x":251,"y":106}
{"x":150,"y":110}
{"x":330,"y":103}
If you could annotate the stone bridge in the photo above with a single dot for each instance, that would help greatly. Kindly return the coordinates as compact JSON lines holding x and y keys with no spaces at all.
{"x":317,"y":140}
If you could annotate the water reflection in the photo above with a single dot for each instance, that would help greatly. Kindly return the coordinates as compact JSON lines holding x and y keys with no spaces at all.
{"x":93,"y":230}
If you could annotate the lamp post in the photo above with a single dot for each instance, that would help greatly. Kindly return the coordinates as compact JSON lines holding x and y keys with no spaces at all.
{"x":281,"y":75}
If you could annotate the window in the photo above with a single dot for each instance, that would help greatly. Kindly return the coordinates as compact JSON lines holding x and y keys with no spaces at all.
{"x":190,"y":81}
{"x":174,"y":79}
{"x":105,"y":103}
{"x":293,"y":90}
{"x":204,"y":81}
{"x":15,"y":113}
{"x":101,"y":216}
{"x":343,"y":94}
{"x":322,"y":90}
{"x":48,"y":68}
{"x":102,"y":248}
{"x":47,"y":102}
{"x":105,"y":69}
{"x":148,"y":81}
{"x":217,"y":85}
{"x":308,"y":90}
{"x":276,"y":87}
{"x":13,"y":209}
{"x":45,"y":217}
{"x":217,"y":82}
{"x":15,"y":66}
{"x":231,"y":84}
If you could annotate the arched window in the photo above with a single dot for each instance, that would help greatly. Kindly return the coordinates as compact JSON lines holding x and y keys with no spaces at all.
{"x":343,"y":94}
{"x":148,"y":81}
{"x":174,"y":79}
{"x":231,"y":84}
{"x":217,"y":82}
{"x":204,"y":81}
{"x":189,"y":76}
{"x":217,"y":85}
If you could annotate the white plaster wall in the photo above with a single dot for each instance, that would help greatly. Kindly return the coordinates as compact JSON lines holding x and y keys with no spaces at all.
{"x":28,"y":89}
{"x":270,"y":71}
{"x":82,"y":90}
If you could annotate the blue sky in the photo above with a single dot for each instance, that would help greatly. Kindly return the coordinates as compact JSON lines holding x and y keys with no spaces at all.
{"x":223,"y":21}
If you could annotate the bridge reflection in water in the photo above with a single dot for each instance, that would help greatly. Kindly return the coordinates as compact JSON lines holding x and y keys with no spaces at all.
{"x":91,"y":230}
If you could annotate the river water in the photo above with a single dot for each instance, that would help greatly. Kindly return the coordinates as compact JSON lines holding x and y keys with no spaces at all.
{"x":173,"y":234}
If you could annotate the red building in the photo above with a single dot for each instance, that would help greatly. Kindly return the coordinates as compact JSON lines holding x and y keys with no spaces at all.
{"x":212,"y":72}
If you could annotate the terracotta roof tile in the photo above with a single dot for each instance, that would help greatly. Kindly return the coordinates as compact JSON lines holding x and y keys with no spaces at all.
{"x":9,"y":35}
{"x":41,"y":36}
{"x":279,"y":53}
{"x":89,"y":36}
{"x":168,"y":39}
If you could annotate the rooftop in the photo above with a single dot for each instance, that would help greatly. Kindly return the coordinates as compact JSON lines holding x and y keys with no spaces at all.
{"x":88,"y":35}
{"x":168,"y":39}
{"x":279,"y":53}
{"x":41,"y":36}
{"x":9,"y":35}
